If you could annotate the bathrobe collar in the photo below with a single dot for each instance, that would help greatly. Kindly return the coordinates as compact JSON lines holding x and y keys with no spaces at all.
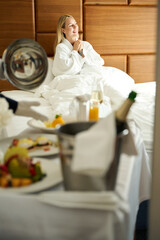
{"x":68,"y":44}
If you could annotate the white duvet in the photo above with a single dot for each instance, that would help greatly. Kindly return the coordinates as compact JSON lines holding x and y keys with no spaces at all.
{"x":61,"y":91}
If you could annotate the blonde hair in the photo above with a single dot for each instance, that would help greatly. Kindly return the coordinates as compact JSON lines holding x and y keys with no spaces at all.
{"x":60,"y":36}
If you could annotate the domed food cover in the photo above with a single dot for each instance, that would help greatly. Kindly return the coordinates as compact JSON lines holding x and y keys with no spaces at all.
{"x":25,"y":64}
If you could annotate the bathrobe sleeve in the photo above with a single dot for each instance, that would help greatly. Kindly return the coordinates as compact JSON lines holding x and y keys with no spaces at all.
{"x":91,"y":56}
{"x":66,"y":61}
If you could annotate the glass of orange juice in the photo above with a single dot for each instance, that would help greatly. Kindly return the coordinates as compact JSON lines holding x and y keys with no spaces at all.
{"x":94,"y":111}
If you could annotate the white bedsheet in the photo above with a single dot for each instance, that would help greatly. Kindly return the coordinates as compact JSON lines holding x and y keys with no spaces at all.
{"x":143,"y":113}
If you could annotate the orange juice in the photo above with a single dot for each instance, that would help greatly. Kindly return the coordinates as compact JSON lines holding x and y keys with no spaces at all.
{"x":94,"y":113}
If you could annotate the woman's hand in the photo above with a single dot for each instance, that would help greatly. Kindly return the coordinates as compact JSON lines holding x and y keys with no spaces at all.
{"x":78,"y":45}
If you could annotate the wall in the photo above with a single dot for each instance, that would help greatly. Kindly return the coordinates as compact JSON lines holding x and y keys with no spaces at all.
{"x":17,"y":20}
{"x":122,"y":31}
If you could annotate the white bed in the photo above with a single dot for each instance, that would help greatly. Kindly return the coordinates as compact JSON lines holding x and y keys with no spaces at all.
{"x":56,"y":97}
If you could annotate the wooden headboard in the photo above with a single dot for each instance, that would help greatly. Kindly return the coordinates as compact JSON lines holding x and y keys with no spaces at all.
{"x":122,"y":31}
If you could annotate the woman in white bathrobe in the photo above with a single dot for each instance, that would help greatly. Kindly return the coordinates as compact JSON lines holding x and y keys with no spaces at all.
{"x":72,"y":54}
{"x":74,"y":58}
{"x":78,"y":69}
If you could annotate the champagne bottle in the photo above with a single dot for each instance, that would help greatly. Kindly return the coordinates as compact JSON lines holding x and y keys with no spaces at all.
{"x":122,"y":112}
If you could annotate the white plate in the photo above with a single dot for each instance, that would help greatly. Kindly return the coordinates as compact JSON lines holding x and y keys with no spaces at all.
{"x":53,"y":176}
{"x":5,"y":143}
{"x":40,"y":125}
{"x":52,"y":150}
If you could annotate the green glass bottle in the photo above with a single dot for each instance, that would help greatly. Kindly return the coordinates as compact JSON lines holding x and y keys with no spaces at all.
{"x":122,"y":112}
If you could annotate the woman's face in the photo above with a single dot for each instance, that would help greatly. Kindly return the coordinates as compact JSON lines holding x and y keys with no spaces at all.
{"x":71,"y":30}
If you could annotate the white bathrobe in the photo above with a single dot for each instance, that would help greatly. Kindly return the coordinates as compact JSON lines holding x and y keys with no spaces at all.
{"x":69,"y":62}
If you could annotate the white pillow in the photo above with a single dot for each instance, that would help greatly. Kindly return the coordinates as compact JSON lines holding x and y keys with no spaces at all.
{"x":49,"y":77}
{"x":119,"y":80}
{"x":117,"y":86}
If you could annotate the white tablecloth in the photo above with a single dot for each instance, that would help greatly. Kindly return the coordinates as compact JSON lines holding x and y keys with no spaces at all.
{"x":59,"y":215}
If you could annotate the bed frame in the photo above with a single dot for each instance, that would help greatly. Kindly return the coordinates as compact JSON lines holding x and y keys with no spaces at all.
{"x":122,"y":31}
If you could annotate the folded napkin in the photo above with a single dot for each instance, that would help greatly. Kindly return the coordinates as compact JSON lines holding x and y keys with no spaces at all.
{"x":94,"y":148}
